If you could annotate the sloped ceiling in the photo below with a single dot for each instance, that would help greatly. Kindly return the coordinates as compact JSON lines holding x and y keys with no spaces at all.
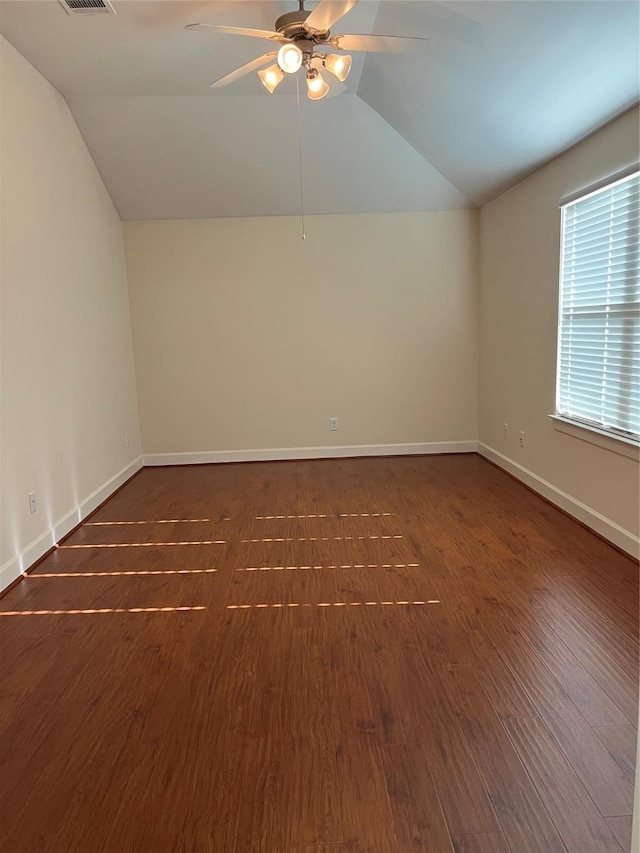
{"x":504,"y":86}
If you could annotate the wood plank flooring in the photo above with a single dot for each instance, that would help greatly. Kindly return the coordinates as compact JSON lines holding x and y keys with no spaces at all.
{"x":380,"y":655}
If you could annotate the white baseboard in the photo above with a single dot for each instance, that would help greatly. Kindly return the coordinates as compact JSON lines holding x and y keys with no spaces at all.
{"x":611,"y":531}
{"x":283,"y":453}
{"x":18,"y":564}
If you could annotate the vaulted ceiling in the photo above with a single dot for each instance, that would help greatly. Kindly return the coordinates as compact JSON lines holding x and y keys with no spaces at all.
{"x":504,"y":86}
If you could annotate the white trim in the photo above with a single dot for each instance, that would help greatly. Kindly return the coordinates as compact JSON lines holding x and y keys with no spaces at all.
{"x":18,"y":564}
{"x":611,"y":531}
{"x":609,"y":440}
{"x":608,"y":181}
{"x":206,"y":457}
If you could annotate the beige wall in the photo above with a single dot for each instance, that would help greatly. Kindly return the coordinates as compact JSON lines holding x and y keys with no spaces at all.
{"x":67,"y":378}
{"x":520,"y":235}
{"x":247,"y":337}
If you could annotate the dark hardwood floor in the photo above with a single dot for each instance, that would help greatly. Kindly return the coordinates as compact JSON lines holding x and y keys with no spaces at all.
{"x":347,"y":655}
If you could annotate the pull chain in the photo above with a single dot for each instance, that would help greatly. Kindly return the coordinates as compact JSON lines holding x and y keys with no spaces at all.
{"x":304,"y":236}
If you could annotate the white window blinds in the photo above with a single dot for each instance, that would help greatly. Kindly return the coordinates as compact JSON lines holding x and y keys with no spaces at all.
{"x":598,"y":378}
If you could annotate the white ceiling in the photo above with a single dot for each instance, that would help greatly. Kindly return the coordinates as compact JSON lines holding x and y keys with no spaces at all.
{"x":504,"y":86}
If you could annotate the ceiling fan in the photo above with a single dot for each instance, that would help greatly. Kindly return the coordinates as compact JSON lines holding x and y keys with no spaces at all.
{"x":300,"y":34}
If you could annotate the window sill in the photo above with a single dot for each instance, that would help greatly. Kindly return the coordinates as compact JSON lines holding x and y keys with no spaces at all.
{"x":618,"y":444}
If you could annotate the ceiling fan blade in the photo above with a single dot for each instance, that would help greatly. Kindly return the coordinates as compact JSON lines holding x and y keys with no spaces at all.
{"x":159,"y":16}
{"x":237,"y":31}
{"x":244,"y":69}
{"x":326,"y":13}
{"x":378,"y":44}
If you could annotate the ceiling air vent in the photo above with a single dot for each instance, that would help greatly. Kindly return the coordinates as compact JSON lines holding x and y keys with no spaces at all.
{"x":84,"y":7}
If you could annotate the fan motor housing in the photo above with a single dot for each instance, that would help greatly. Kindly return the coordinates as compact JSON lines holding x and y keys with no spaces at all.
{"x":291,"y":25}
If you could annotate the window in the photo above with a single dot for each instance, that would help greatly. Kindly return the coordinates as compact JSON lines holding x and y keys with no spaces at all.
{"x":598,"y":380}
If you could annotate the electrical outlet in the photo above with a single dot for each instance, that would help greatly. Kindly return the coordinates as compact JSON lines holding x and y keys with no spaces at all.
{"x":127,"y":443}
{"x":505,"y":430}
{"x":33,"y":506}
{"x":521,"y":438}
{"x":333,"y":424}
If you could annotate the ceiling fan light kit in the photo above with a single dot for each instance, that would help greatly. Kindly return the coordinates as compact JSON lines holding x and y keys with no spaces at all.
{"x":271,"y":77}
{"x":317,"y":86}
{"x":338,"y":65}
{"x":290,"y":58}
{"x":300,"y":33}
